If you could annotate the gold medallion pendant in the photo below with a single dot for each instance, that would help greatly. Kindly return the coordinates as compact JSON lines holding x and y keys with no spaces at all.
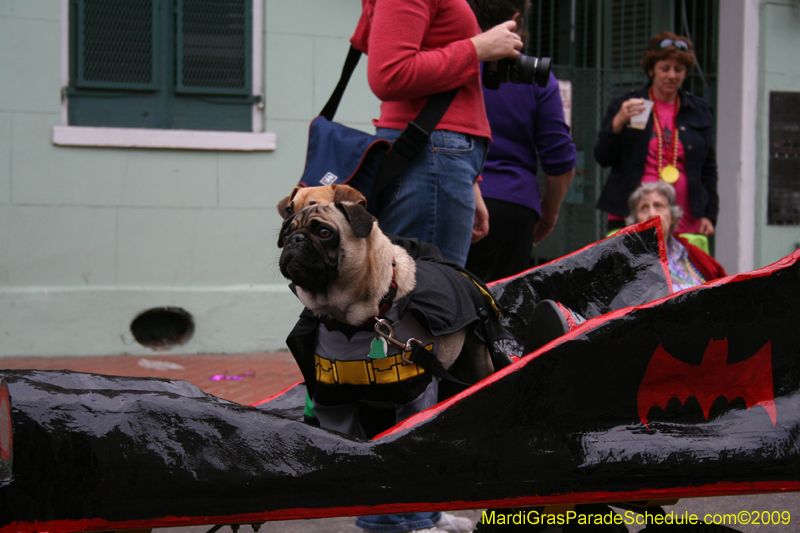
{"x":670,"y":174}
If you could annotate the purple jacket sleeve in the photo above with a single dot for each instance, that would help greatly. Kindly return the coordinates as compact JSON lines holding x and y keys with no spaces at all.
{"x":552,"y":137}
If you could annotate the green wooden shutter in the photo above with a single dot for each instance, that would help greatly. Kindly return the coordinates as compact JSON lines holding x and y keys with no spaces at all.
{"x":172,"y":64}
{"x":116,"y":44}
{"x":213,"y":41}
{"x":631,"y":27}
{"x":568,"y":33}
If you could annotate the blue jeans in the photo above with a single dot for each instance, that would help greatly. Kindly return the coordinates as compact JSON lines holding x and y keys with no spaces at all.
{"x":433,"y":198}
{"x":397,"y":523}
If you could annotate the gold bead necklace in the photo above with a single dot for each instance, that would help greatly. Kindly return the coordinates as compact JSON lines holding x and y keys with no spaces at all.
{"x":669,"y":173}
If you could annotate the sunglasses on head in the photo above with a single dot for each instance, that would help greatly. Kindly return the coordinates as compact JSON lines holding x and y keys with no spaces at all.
{"x":680,"y":45}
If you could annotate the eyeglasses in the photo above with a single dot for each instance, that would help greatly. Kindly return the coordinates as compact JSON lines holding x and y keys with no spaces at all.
{"x":680,"y":45}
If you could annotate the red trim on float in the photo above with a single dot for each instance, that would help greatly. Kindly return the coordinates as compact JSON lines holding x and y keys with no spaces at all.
{"x":662,"y":250}
{"x":277,"y":394}
{"x":590,"y":324}
{"x":635,"y":228}
{"x":715,"y":489}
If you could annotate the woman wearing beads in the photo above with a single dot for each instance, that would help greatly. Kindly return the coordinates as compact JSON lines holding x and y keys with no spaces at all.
{"x":676,"y":146}
{"x":688,"y":264}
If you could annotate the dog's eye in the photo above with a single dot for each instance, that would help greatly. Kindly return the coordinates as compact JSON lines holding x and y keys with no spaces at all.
{"x":324,"y":233}
{"x":289,"y":210}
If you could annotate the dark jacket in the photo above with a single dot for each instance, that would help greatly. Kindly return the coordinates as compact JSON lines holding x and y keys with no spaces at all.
{"x":626,"y":153}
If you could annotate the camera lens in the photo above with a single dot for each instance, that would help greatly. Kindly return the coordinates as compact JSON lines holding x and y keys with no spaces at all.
{"x":542,"y":76}
{"x":523,"y":69}
{"x":530,"y":70}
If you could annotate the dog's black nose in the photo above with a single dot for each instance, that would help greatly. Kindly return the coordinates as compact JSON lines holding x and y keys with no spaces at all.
{"x":296,"y":239}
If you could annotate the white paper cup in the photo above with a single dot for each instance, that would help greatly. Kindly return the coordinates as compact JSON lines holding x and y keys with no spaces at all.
{"x":639,"y":121}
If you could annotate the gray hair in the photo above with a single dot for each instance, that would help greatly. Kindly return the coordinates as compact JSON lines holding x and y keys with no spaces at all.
{"x":664,"y":189}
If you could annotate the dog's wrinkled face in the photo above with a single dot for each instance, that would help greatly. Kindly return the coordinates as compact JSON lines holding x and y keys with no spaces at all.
{"x":314,"y":240}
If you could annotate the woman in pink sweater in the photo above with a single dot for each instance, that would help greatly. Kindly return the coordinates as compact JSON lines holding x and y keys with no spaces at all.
{"x":417,"y":48}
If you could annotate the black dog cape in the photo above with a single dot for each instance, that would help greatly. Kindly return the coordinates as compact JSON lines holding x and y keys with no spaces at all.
{"x":692,"y":394}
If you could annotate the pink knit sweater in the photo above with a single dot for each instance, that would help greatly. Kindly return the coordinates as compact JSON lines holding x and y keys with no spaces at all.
{"x":421,"y":47}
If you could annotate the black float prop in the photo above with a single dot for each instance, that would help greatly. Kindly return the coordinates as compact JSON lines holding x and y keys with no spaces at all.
{"x":604,"y":413}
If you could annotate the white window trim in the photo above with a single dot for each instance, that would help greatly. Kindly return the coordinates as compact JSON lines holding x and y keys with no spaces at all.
{"x":159,"y":138}
{"x":65,"y":135}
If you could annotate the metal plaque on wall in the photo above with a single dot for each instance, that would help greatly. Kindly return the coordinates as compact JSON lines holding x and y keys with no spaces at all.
{"x":784,"y":158}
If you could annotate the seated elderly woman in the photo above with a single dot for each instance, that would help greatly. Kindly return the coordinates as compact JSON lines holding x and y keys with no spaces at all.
{"x":688,"y":264}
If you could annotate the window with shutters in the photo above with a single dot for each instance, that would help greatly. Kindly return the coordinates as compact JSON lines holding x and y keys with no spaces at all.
{"x":164,"y":64}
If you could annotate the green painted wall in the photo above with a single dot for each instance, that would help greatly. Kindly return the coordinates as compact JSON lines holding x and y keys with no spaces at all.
{"x":779,"y":71}
{"x":91,"y":237}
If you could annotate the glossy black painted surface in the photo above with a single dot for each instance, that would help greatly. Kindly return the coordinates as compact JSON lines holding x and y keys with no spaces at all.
{"x":564,"y":425}
{"x":621,"y":271}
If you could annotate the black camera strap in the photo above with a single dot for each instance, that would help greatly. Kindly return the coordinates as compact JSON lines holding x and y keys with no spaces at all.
{"x":413,"y":138}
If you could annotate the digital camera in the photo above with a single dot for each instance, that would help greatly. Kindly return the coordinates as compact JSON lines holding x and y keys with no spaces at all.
{"x":524,"y":69}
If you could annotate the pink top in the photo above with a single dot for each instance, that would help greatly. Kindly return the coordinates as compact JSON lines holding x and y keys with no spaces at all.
{"x":421,"y":47}
{"x":666,"y":117}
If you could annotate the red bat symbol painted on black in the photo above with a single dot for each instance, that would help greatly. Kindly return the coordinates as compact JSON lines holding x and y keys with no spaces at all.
{"x":668,"y":378}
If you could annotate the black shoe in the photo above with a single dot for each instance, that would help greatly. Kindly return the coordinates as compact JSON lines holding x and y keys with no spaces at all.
{"x":548,"y":321}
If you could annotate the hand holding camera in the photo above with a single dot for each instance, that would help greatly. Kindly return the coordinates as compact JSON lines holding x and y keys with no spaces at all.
{"x":499,"y":42}
{"x":499,"y":50}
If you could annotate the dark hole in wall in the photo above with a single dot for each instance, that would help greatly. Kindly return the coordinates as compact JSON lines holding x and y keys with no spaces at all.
{"x":162,"y":328}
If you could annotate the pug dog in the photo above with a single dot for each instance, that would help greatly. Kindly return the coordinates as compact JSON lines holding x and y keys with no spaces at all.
{"x":340,"y":263}
{"x":344,"y":268}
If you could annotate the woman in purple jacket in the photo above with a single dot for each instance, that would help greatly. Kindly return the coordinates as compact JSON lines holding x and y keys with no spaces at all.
{"x":528,"y":130}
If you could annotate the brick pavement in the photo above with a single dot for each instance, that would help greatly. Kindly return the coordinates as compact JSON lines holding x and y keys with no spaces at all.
{"x":259,"y":374}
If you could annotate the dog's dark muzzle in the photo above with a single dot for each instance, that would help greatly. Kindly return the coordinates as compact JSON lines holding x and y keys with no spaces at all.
{"x":305,"y":262}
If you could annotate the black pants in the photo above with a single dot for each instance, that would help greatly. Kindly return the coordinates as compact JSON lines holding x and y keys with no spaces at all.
{"x":506,"y":250}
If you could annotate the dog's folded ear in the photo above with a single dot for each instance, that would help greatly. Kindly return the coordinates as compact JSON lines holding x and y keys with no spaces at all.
{"x":358,"y":217}
{"x":285,"y":206}
{"x":345,"y":193}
